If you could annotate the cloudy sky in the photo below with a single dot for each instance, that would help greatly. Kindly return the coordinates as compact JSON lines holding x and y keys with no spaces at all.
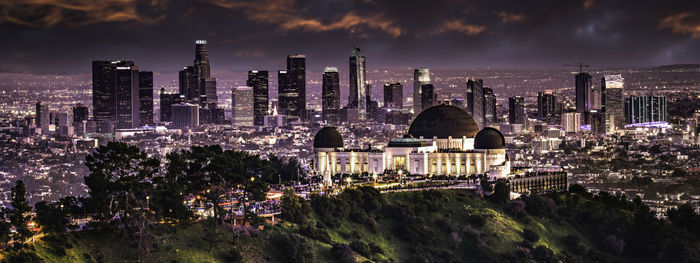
{"x":63,"y":36}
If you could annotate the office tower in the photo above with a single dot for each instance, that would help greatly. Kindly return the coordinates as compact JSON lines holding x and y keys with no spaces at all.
{"x":584,"y":83}
{"x":597,"y":121}
{"x":58,"y":119}
{"x":420,"y":76}
{"x":614,"y":103}
{"x":80,"y":113}
{"x":516,"y":110}
{"x":115,"y":91}
{"x":490,"y":114}
{"x":292,"y":86}
{"x":546,"y":105}
{"x":189,"y":84}
{"x":167,"y":99}
{"x":393,"y":95}
{"x":242,"y":111}
{"x":428,"y":96}
{"x":185,"y":115}
{"x":258,"y":79}
{"x":209,"y":98}
{"x":358,"y":83}
{"x":43,"y":117}
{"x":571,"y":121}
{"x":145,"y":98}
{"x":645,"y":109}
{"x":330,"y":95}
{"x":201,"y":59}
{"x":475,"y":100}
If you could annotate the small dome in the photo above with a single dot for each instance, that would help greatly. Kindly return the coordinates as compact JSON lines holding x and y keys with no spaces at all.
{"x":328,"y":137}
{"x":489,"y":138}
{"x":443,"y":121}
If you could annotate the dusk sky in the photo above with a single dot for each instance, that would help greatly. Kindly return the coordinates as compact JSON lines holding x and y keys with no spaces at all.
{"x":43,"y":36}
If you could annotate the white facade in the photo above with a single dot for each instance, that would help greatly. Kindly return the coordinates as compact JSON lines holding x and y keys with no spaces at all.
{"x":242,"y":106}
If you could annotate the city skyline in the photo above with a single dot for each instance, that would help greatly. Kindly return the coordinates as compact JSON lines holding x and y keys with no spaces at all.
{"x":437,"y":35}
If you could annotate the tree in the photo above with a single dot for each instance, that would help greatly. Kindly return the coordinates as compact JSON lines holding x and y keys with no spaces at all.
{"x":4,"y":229}
{"x":51,"y":217}
{"x":501,"y":192}
{"x":294,"y":208}
{"x":685,"y":217}
{"x":19,"y":215}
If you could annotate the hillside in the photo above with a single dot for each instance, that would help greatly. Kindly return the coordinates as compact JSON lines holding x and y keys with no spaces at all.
{"x":438,"y":226}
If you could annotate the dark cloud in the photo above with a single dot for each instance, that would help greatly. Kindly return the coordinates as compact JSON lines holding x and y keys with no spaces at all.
{"x":63,"y":36}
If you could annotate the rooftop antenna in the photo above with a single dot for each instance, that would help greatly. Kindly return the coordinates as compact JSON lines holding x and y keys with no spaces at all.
{"x":579,"y":65}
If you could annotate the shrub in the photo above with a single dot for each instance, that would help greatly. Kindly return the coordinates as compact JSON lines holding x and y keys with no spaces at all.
{"x":477,"y":220}
{"x":530,"y":235}
{"x":315,"y":233}
{"x":296,"y":248}
{"x":361,"y":248}
{"x":343,"y":252}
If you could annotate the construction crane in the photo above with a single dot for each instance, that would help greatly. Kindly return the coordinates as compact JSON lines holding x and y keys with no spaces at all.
{"x":579,"y":65}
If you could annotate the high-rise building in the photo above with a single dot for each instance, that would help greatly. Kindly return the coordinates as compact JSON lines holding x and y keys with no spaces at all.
{"x":584,"y":84}
{"x":258,"y":79}
{"x":80,"y":113}
{"x":292,"y":87}
{"x":571,"y":121}
{"x":516,"y":110}
{"x":614,"y":102}
{"x":242,"y":106}
{"x":475,"y":100}
{"x":330,"y":95}
{"x":420,"y":76}
{"x":115,"y":92}
{"x":185,"y":115}
{"x":358,"y":83}
{"x":649,"y":109}
{"x":429,"y":96}
{"x":198,"y":87}
{"x":167,"y":99}
{"x":393,"y":95}
{"x":145,"y":98}
{"x":43,"y":117}
{"x":490,"y":114}
{"x":189,"y":84}
{"x":546,"y":105}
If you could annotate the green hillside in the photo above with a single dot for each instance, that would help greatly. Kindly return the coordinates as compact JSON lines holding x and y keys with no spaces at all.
{"x":423,"y":226}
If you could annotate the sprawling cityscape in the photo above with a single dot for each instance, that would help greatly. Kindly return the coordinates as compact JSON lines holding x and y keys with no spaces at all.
{"x":351,"y":162}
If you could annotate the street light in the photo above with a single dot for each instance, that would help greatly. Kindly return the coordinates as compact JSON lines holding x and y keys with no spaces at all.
{"x":374,"y":176}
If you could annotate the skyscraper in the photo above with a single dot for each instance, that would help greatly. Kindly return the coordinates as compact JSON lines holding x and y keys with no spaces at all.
{"x":292,"y":86}
{"x":242,"y":106}
{"x":546,"y":105}
{"x":584,"y":83}
{"x":614,"y":103}
{"x":420,"y":76}
{"x":189,"y":84}
{"x":393,"y":95}
{"x":358,"y":83}
{"x":167,"y":99}
{"x":490,"y":114}
{"x":258,"y":79}
{"x":330,"y":95}
{"x":115,"y":91}
{"x":185,"y":115}
{"x":516,"y":110}
{"x":43,"y":117}
{"x":475,"y":100}
{"x":199,"y":87}
{"x":80,"y":113}
{"x":645,"y":109}
{"x":145,"y":98}
{"x":428,"y":96}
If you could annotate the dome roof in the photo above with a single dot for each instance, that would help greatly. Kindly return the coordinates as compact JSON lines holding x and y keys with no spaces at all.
{"x":443,"y":121}
{"x":328,"y":137}
{"x":489,"y":138}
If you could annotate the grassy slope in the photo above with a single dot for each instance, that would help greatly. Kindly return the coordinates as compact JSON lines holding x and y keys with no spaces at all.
{"x":500,"y":234}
